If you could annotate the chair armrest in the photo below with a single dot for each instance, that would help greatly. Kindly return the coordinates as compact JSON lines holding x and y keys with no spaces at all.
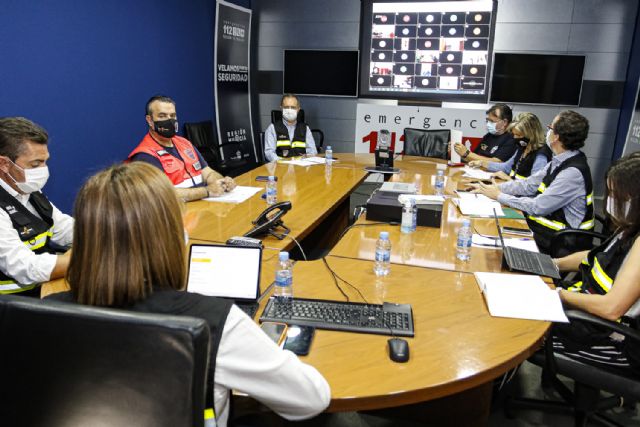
{"x":627,"y":331}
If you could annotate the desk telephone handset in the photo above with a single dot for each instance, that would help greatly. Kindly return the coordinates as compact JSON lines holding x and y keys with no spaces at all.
{"x":270,"y":219}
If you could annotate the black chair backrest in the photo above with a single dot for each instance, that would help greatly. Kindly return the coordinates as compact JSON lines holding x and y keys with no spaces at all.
{"x":426,"y":143}
{"x":276,"y":115}
{"x":203,"y":138}
{"x":72,"y":365}
{"x":318,"y":137}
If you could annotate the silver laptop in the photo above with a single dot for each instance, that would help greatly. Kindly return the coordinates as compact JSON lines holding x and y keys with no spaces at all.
{"x":231,"y":272}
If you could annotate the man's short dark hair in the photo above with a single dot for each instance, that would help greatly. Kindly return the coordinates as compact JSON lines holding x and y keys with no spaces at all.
{"x":289,"y":95}
{"x":502,"y":111}
{"x":572,"y":128}
{"x":154,"y":98}
{"x":15,"y":132}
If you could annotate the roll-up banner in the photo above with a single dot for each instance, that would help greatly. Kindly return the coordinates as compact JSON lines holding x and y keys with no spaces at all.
{"x":232,"y":95}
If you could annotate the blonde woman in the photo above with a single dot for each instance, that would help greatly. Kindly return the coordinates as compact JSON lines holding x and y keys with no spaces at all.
{"x":532,"y":153}
{"x":129,"y":253}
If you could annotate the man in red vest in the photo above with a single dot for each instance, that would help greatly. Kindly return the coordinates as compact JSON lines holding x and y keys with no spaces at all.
{"x":192,"y":178}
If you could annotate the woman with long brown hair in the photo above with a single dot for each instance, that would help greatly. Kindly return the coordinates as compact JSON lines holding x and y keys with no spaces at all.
{"x":129,"y":253}
{"x":609,"y":285}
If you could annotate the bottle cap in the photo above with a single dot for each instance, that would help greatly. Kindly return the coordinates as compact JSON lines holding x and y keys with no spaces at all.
{"x":466,"y":223}
{"x":284,"y":256}
{"x":384,"y":235}
{"x":328,"y":148}
{"x":440,"y":172}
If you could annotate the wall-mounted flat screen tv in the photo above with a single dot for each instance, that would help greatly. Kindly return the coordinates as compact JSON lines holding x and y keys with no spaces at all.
{"x":435,"y":50}
{"x":537,"y":79}
{"x":321,"y":72}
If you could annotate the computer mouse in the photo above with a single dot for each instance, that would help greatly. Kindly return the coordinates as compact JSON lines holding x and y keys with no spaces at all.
{"x":398,"y":350}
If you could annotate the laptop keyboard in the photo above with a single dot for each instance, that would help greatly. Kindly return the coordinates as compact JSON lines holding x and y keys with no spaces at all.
{"x":249,"y":309}
{"x":383,"y":319}
{"x":520,"y":259}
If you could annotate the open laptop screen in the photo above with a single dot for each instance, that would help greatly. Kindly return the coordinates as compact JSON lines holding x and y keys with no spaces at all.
{"x":224,"y":271}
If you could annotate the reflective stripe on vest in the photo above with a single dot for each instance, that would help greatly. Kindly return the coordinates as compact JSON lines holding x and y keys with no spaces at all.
{"x":283,"y":143}
{"x":40,"y":240}
{"x":190,"y":182}
{"x":542,"y":187}
{"x":11,"y":287}
{"x":513,"y":173}
{"x":554,"y":225}
{"x":209,"y":418}
{"x":589,"y":199}
{"x":298,"y":144}
{"x":601,"y":277}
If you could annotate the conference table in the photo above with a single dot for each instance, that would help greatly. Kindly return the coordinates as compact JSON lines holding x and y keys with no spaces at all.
{"x":458,"y":346}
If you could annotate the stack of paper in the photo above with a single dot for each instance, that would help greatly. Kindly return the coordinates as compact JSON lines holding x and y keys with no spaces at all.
{"x":520,"y":296}
{"x":237,"y":195}
{"x":475,"y":173}
{"x":307,"y":161}
{"x":399,"y":187}
{"x":478,"y":205}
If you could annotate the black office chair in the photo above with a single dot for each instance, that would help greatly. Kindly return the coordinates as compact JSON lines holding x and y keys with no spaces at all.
{"x":71,"y":365}
{"x":566,"y":242}
{"x":585,"y":399}
{"x":427,"y":143}
{"x":318,"y":137}
{"x":203,"y":138}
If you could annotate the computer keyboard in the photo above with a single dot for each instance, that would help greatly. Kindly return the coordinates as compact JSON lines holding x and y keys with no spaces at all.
{"x":383,"y":319}
{"x":524,"y":260}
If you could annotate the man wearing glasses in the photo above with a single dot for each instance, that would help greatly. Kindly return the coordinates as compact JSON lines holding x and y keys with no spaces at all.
{"x":288,"y":137}
{"x":560,"y":195}
{"x":498,"y":144}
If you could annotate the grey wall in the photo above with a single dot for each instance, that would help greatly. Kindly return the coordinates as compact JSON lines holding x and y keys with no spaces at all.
{"x":602,"y":30}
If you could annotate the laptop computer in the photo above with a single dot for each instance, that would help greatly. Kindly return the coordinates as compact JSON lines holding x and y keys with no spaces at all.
{"x":231,"y":272}
{"x":516,"y":259}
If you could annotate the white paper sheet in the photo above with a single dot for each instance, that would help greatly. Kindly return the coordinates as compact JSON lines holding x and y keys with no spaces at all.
{"x":520,"y":296}
{"x":528,"y":244}
{"x":456,"y":137}
{"x":475,"y":173}
{"x":238,"y":195}
{"x":478,"y":205}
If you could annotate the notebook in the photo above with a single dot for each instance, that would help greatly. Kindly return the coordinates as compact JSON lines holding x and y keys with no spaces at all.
{"x":231,"y":272}
{"x":522,"y":260}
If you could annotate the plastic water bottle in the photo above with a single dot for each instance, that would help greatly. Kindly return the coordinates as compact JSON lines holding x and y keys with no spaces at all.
{"x":463,"y":243}
{"x":439,"y":184}
{"x":284,"y":279}
{"x":382,"y":264}
{"x":328,"y":155}
{"x":409,"y":216}
{"x":272,"y":190}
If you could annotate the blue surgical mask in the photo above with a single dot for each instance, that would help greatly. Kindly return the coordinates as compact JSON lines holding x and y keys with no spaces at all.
{"x":491,"y":128}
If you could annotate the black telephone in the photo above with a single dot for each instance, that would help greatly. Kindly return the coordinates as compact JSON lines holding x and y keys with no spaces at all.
{"x":270,"y":219}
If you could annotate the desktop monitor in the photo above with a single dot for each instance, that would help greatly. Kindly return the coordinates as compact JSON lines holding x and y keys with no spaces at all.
{"x":537,"y":79}
{"x":321,"y":72}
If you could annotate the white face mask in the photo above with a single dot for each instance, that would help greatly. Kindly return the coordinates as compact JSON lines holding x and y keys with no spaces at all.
{"x":492,"y":128}
{"x":34,"y":179}
{"x":549,"y":137}
{"x":289,"y":114}
{"x":611,"y":209}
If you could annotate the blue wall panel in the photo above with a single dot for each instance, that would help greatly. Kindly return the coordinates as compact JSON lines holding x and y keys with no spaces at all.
{"x":84,"y":69}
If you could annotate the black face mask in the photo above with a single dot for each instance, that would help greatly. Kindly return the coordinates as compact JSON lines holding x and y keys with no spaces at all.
{"x":166,"y":128}
{"x":522,"y":141}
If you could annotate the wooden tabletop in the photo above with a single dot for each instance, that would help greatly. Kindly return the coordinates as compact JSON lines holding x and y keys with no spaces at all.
{"x":457,"y":344}
{"x":312,"y":191}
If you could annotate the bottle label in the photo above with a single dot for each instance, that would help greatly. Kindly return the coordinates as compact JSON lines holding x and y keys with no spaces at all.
{"x":383,"y":255}
{"x":283,"y":281}
{"x":464,"y":242}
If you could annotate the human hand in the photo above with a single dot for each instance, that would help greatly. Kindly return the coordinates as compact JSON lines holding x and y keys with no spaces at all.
{"x":501,"y":175}
{"x":491,"y":191}
{"x":215,"y":189}
{"x":460,"y":149}
{"x":227,"y":183}
{"x":475,"y":163}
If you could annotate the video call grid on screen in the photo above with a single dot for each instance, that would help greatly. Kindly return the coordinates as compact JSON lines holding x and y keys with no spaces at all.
{"x":430,"y":47}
